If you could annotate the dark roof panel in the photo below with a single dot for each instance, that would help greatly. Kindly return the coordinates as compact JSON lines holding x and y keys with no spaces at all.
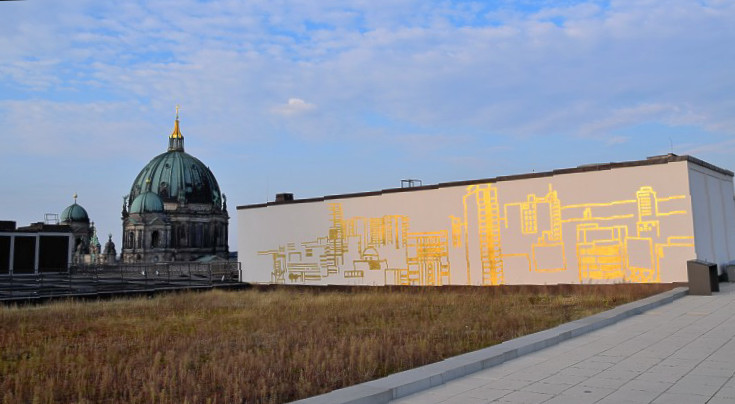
{"x":663,"y":159}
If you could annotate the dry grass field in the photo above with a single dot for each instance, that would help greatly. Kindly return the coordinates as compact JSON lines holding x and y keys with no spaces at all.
{"x":266,"y":344}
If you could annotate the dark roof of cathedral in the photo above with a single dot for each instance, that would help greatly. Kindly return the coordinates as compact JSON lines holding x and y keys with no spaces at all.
{"x":176,"y":176}
{"x":41,"y":227}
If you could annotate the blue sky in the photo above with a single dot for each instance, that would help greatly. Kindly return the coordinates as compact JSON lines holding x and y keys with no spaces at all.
{"x":330,"y":97}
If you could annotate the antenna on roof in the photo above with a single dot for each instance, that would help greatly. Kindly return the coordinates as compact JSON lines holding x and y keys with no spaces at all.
{"x":671,"y":143}
{"x":410,"y":183}
{"x":51,"y":218}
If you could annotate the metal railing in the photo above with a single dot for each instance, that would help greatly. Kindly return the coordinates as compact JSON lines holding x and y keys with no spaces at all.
{"x":123,"y":278}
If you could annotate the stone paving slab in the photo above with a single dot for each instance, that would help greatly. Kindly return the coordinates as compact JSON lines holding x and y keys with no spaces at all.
{"x":683,"y":352}
{"x":537,"y":377}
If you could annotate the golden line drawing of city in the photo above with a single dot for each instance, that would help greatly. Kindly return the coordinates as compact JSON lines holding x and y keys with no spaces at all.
{"x":614,"y":241}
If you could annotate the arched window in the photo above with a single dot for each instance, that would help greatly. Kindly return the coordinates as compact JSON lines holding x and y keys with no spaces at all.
{"x":198,"y":236}
{"x":163,"y":190}
{"x":207,"y":236}
{"x":155,"y":239}
{"x":131,"y":240}
{"x":182,"y":236}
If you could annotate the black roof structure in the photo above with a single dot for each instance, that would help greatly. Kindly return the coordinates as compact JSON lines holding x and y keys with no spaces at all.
{"x":663,"y":159}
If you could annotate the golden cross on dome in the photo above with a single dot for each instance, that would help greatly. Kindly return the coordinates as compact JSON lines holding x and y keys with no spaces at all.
{"x":75,"y":197}
{"x":177,"y":139}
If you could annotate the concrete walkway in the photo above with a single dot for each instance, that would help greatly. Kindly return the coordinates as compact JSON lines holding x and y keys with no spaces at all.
{"x":681,"y":352}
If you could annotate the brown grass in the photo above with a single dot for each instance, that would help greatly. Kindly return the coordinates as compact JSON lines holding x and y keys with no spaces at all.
{"x":268,"y":344}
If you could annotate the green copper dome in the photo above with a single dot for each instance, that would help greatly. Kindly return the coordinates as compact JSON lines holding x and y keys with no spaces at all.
{"x":177,"y":176}
{"x":147,"y":202}
{"x":74,"y":213}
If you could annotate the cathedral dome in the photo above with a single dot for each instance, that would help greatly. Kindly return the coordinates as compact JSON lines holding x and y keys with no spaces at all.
{"x":174,"y":211}
{"x":147,"y":202}
{"x":74,"y":213}
{"x":177,"y":176}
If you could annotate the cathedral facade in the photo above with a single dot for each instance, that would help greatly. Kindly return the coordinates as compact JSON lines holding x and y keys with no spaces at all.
{"x":175,"y":210}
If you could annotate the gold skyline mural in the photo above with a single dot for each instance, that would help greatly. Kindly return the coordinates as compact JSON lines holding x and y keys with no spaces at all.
{"x":610,"y":241}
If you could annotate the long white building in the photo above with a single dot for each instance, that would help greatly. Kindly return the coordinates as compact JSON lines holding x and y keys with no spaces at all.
{"x":637,"y":221}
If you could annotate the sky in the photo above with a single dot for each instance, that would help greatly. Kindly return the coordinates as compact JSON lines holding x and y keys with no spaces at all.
{"x":329,"y":97}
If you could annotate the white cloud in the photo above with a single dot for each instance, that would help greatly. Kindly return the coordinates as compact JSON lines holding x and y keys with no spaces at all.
{"x":617,"y":140}
{"x":722,"y":147}
{"x":294,"y":106}
{"x":427,"y":64}
{"x":630,"y":116}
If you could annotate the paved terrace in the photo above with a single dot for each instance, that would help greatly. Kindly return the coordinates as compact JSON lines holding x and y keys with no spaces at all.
{"x":680,"y":352}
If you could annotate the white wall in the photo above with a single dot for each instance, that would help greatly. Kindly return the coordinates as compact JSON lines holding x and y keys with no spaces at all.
{"x":714,"y":215}
{"x":629,"y":224}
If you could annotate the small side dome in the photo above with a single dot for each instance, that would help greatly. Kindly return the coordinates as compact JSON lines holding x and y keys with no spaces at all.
{"x":74,"y":213}
{"x":147,"y":202}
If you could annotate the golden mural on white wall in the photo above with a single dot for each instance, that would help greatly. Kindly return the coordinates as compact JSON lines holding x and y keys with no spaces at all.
{"x":609,"y":241}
